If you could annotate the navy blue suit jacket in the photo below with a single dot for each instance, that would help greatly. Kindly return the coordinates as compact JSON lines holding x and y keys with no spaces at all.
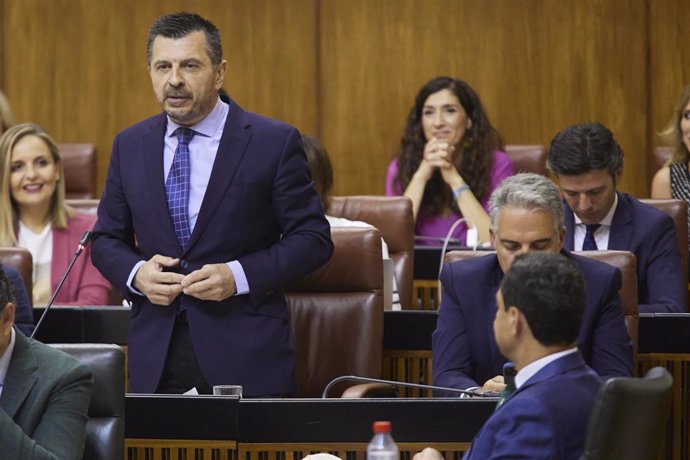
{"x":546,"y":418}
{"x":260,"y":208}
{"x":651,"y":236}
{"x":465,"y":353}
{"x":24,"y":312}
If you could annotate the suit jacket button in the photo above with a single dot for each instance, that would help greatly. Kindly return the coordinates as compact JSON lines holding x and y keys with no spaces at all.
{"x":184,"y":264}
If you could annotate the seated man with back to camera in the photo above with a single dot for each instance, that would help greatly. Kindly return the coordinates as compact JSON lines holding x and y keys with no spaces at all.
{"x":526,"y":215}
{"x":588,"y":163}
{"x":44,"y":393}
{"x":539,"y":310}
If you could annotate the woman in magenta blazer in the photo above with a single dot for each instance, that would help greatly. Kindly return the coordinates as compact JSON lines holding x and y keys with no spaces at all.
{"x":34,"y":215}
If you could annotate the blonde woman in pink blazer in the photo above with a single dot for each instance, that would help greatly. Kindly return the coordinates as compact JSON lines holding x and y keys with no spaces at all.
{"x":34,"y":215}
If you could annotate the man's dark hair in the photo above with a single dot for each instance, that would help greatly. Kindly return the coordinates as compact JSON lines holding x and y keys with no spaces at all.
{"x":549,"y":289}
{"x":178,"y":25}
{"x":6,"y":291}
{"x":582,"y":148}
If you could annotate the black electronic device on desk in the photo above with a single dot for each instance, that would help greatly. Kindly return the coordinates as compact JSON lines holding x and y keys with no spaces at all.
{"x":428,"y":259}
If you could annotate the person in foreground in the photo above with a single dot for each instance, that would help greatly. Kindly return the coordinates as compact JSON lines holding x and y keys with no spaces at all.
{"x":450,"y":161}
{"x":34,"y":215}
{"x":207,"y":212}
{"x":588,"y":163}
{"x":44,"y":394}
{"x":526,"y":215}
{"x":539,"y":309}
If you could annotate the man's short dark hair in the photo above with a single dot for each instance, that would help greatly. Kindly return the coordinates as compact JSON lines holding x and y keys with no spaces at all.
{"x":582,"y":148}
{"x":6,"y":291}
{"x":178,"y":25}
{"x":549,"y":289}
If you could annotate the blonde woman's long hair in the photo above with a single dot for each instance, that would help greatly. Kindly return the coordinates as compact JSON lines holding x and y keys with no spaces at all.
{"x":59,"y":211}
{"x":671,"y":133}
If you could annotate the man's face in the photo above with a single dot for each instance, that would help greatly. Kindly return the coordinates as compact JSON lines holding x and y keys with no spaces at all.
{"x":590,"y":195}
{"x":184,"y":79}
{"x":521,"y":230}
{"x":6,"y":322}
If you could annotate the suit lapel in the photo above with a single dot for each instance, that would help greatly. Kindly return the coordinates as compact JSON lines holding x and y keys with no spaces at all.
{"x":21,"y":375}
{"x":621,"y":225}
{"x":152,"y":150}
{"x":569,"y":227}
{"x":231,"y":150}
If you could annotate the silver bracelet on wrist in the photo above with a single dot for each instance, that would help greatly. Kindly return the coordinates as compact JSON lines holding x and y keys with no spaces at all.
{"x":458,"y":191}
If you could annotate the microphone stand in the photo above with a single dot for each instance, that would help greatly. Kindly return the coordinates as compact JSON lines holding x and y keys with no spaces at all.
{"x":83,"y":242}
{"x":355,"y":378}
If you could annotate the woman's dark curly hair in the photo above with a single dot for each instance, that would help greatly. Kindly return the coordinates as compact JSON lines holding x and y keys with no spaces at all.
{"x":476,"y":147}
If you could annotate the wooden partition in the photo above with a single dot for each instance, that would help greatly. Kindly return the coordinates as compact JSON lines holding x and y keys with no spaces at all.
{"x":347,"y":71}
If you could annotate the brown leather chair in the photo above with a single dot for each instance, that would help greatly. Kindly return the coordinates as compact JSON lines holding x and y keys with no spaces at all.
{"x":336,"y":313}
{"x":528,"y":158}
{"x":21,"y":260}
{"x":629,"y":417}
{"x":394,"y":219}
{"x":105,"y":430}
{"x":678,"y":210}
{"x":87,"y":205}
{"x":80,"y":165}
{"x":661,"y":155}
{"x":625,"y":261}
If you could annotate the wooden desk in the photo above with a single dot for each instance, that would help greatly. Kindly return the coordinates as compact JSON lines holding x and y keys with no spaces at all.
{"x":254,"y":429}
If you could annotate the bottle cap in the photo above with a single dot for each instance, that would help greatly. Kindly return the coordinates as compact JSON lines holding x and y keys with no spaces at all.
{"x":382,"y":427}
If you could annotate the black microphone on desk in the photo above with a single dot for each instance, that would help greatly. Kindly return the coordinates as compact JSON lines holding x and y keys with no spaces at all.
{"x":83,"y":242}
{"x":355,"y":378}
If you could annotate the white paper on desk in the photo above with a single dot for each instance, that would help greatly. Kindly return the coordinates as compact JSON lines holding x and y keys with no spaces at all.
{"x":192,"y":392}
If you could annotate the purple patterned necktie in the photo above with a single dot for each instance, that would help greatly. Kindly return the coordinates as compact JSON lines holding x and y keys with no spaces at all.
{"x":177,"y":187}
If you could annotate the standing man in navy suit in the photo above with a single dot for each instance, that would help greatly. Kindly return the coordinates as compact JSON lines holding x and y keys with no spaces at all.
{"x":207,"y":212}
{"x":539,"y":310}
{"x":588,"y":163}
{"x":526,"y":215}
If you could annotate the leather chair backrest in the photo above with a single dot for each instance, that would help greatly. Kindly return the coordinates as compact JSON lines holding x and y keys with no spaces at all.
{"x":79,"y":162}
{"x":105,"y":430}
{"x":629,"y":417}
{"x":625,"y":261}
{"x":661,"y":155}
{"x":87,"y":205}
{"x":528,"y":158}
{"x":336,"y":313}
{"x":393,"y":216}
{"x":21,"y":260}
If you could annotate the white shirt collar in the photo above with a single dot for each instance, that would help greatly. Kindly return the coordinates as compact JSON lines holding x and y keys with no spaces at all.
{"x":608,"y":219}
{"x":532,"y":368}
{"x":5,"y":360}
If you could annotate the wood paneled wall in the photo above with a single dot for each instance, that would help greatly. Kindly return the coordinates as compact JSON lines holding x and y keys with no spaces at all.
{"x":348,"y":71}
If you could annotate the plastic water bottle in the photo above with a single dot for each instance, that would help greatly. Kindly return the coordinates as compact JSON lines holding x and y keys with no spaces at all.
{"x":382,"y":446}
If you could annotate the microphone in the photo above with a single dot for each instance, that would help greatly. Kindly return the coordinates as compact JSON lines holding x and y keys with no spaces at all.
{"x":83,"y":242}
{"x":355,"y":378}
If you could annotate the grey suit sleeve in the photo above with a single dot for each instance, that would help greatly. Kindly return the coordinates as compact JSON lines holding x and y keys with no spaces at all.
{"x":58,"y":427}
